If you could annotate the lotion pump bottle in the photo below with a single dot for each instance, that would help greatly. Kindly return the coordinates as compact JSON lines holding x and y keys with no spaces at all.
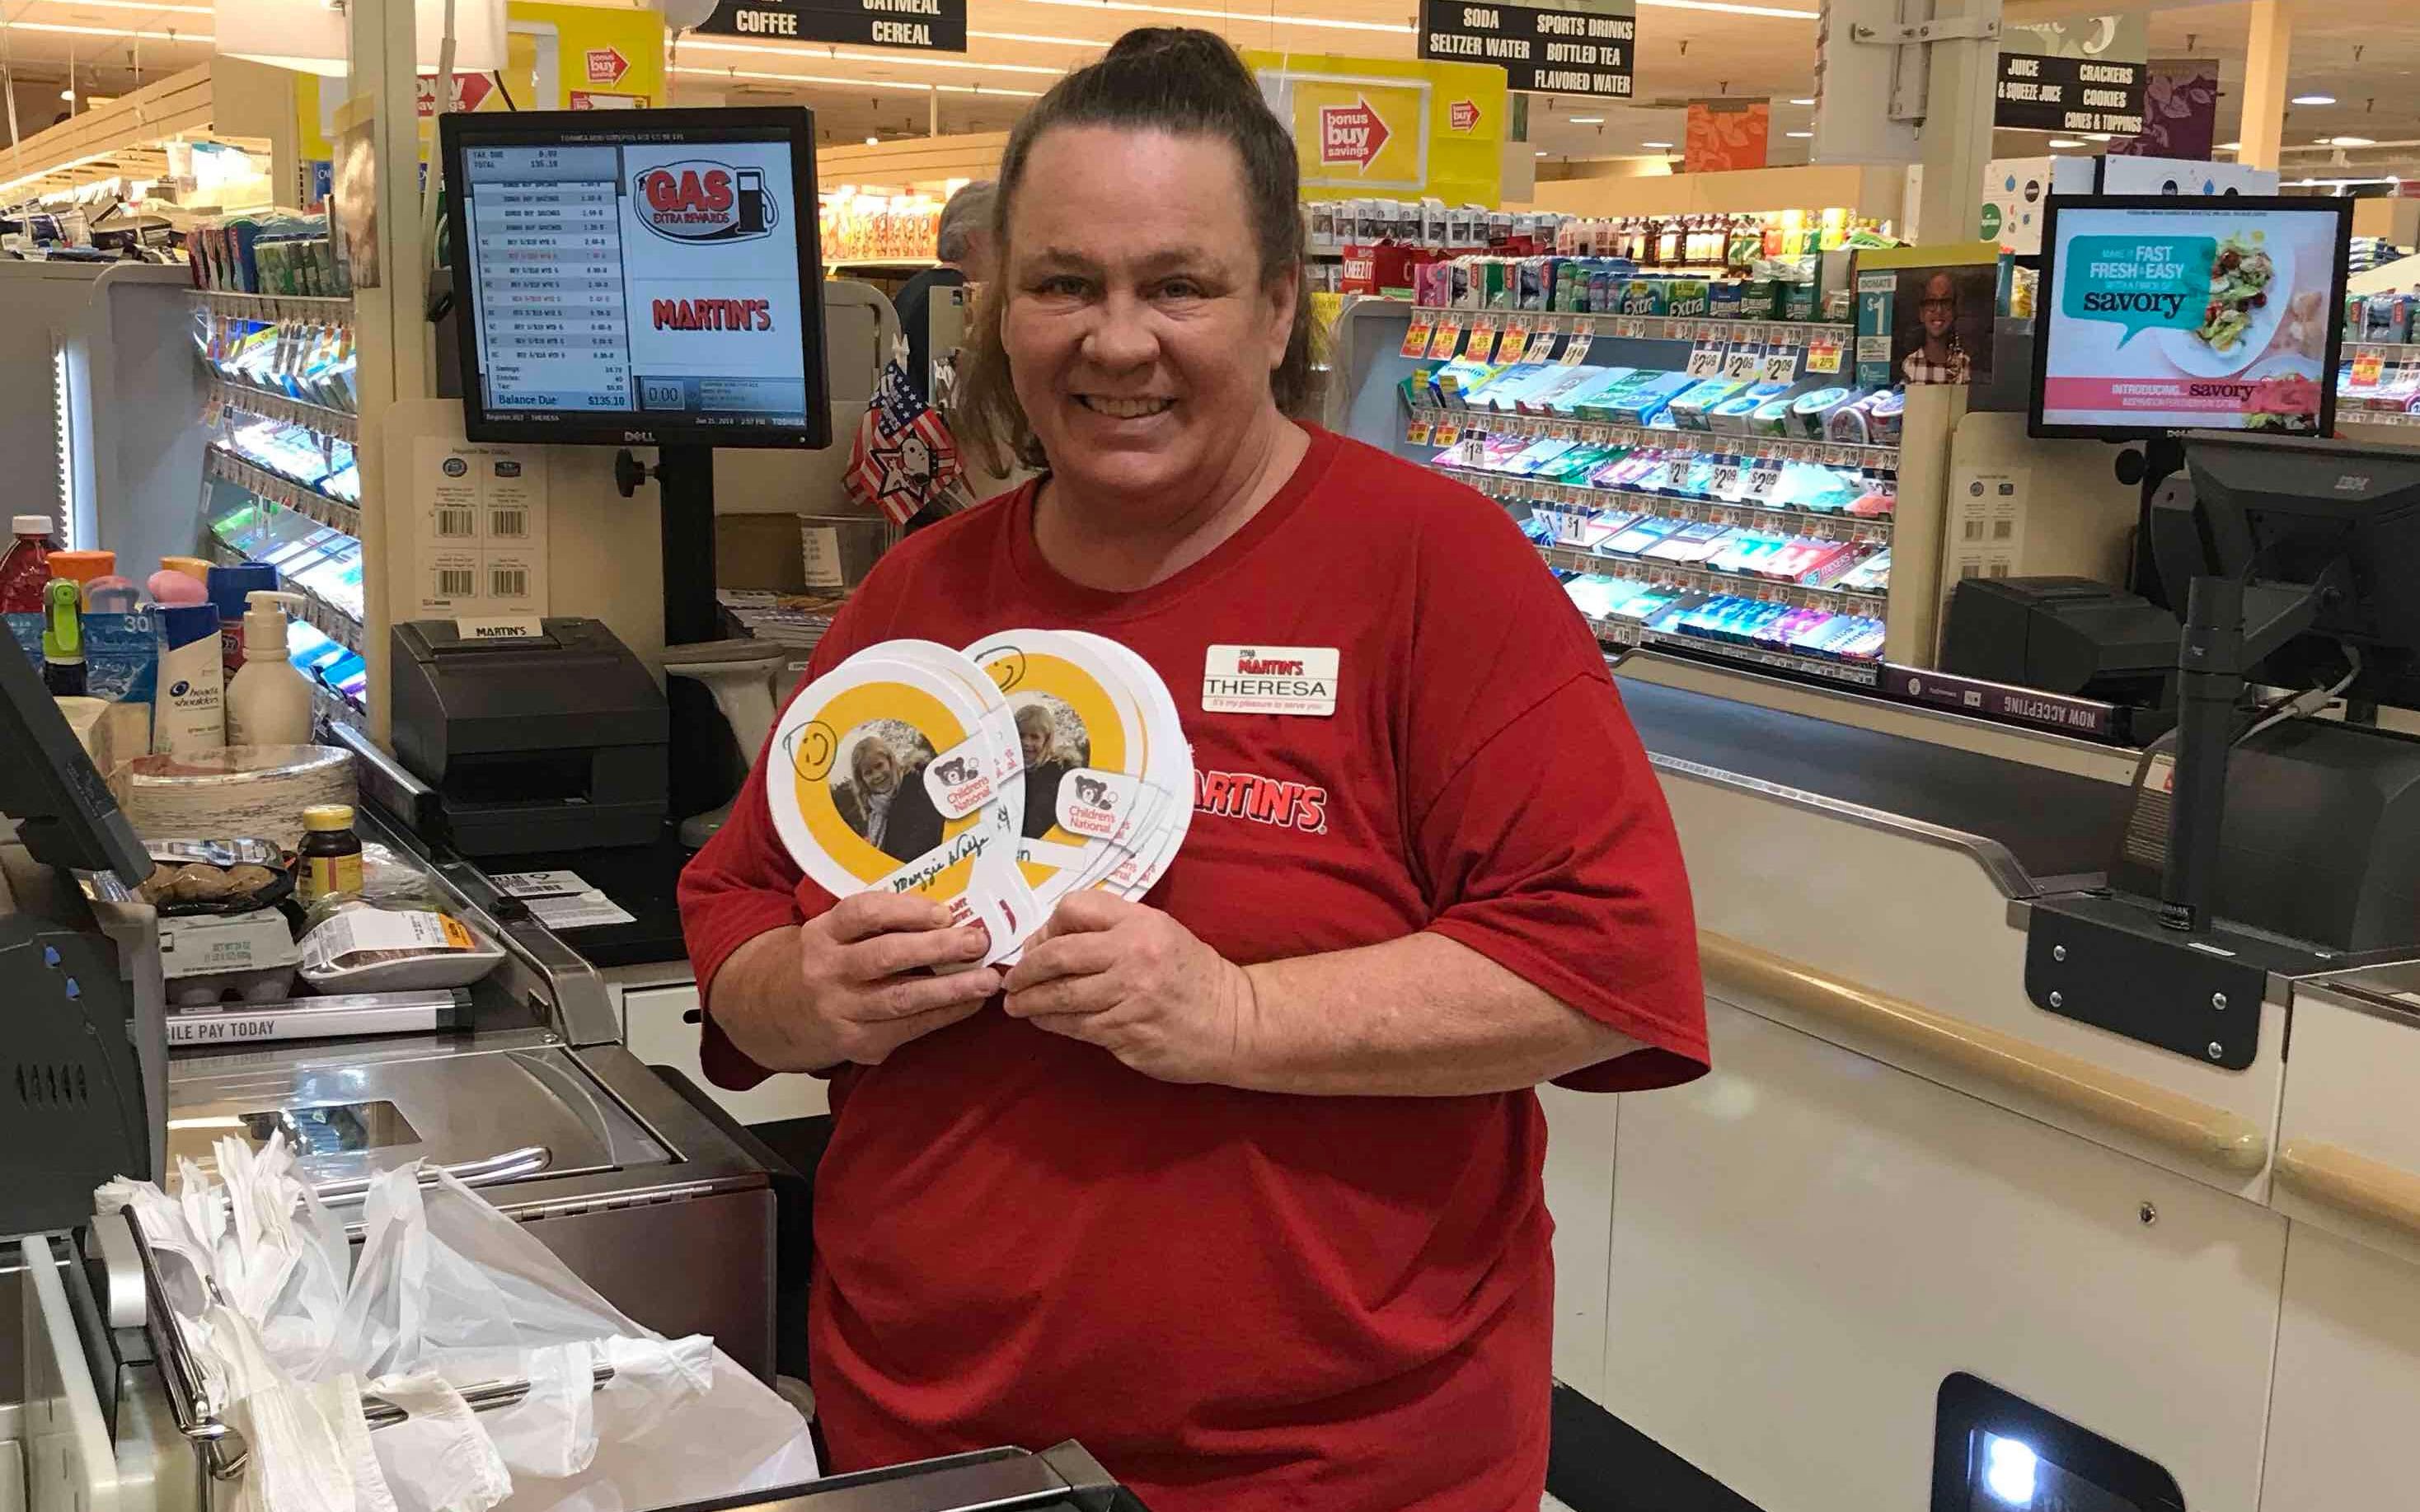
{"x":267,"y":701}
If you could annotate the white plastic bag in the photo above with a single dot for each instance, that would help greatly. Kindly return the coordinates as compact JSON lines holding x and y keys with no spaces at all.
{"x":445,"y":1294}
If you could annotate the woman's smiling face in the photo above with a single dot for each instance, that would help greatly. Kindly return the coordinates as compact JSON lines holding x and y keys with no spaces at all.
{"x":1140,"y":332}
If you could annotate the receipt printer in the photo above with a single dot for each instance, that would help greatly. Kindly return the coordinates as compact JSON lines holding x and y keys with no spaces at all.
{"x":537,"y":734}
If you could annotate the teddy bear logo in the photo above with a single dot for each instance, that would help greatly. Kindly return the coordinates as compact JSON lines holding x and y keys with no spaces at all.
{"x":1093,"y":793}
{"x":957,"y":770}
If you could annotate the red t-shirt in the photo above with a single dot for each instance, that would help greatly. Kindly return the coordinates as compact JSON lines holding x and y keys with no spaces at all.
{"x":1237,"y":1300}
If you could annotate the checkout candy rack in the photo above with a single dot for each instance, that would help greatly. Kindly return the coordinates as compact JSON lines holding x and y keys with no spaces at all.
{"x":280,"y":484}
{"x":1718,"y":499}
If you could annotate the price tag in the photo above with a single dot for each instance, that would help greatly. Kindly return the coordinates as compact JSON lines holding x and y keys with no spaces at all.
{"x":1761,"y":481}
{"x":1448,"y":433}
{"x":1780,"y":365}
{"x":1416,"y":340}
{"x":1742,"y":362}
{"x":1575,"y":346}
{"x":1481,"y":346}
{"x":2368,"y":363}
{"x":1542,"y":345}
{"x":1676,"y":470}
{"x":1726,"y":478}
{"x":1516,"y":340}
{"x":213,"y":411}
{"x":1745,"y":334}
{"x":1416,"y":433}
{"x":1705,"y":361}
{"x":1630,"y":328}
{"x":1823,"y":354}
{"x":1448,"y":339}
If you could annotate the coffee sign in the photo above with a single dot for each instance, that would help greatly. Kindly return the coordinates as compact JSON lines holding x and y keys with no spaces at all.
{"x":926,"y":26}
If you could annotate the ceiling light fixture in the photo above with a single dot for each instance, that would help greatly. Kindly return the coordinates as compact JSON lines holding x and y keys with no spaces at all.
{"x":1798,"y":134}
{"x":886,"y":58}
{"x":874,"y":140}
{"x":2229,"y":147}
{"x":2351,"y":142}
{"x":882,"y":86}
{"x":1655,"y":144}
{"x":2065,"y":142}
{"x":57,"y":29}
{"x":68,"y":94}
{"x":1199,"y":13}
{"x":2315,"y":100}
{"x":1538,"y":154}
{"x":1584,"y":120}
{"x":1804,"y":100}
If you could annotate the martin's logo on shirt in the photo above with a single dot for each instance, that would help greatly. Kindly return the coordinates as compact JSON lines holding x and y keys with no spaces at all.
{"x":1263,"y":800}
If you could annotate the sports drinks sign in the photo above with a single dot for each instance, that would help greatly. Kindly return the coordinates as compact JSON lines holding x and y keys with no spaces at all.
{"x":1577,"y":49}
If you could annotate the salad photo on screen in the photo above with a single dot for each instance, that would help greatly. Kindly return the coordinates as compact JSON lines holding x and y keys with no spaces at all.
{"x":2184,"y":314}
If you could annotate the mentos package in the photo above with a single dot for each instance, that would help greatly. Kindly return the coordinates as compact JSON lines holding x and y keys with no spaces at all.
{"x":1503,"y":390}
{"x":1602,"y":380}
{"x":1809,"y":411}
{"x":1452,"y":384}
{"x":1643,"y":402}
{"x":1555,"y":398}
{"x":1688,"y":408}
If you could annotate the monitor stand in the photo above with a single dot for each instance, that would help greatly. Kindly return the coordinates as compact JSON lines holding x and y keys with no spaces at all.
{"x":701,"y":741}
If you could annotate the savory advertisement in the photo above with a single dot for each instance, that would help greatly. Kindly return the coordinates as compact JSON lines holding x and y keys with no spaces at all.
{"x":2215,"y":315}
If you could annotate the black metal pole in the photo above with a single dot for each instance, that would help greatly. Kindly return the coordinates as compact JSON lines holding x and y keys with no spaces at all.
{"x":2210,"y":666}
{"x":685,"y":504}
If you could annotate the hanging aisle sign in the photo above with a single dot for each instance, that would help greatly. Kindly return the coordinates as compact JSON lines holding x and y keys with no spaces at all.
{"x":2086,"y":74}
{"x":926,"y":25}
{"x":1584,"y":50}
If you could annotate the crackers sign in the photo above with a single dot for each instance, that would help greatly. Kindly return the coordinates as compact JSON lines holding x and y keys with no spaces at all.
{"x":1565,"y":52}
{"x":1351,"y":135}
{"x":2086,"y":74}
{"x":925,"y":25}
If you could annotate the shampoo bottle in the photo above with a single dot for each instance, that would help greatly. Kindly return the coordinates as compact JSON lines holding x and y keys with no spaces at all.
{"x":189,"y":713}
{"x":267,"y":701}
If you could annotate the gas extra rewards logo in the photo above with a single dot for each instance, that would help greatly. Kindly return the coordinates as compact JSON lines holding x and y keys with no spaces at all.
{"x":698,"y":200}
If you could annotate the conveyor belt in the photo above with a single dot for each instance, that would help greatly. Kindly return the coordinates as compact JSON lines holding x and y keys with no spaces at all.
{"x":2056,"y":824}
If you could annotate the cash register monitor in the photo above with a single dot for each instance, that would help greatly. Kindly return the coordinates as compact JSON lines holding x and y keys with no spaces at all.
{"x":2295,"y":512}
{"x":647,"y":278}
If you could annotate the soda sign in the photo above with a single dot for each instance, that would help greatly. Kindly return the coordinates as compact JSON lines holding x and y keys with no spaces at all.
{"x":702,"y":201}
{"x":1351,"y":134}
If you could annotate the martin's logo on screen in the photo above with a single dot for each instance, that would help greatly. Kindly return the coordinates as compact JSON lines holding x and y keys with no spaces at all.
{"x":701,"y":201}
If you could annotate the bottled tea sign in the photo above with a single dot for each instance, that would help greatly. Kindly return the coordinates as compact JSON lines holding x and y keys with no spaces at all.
{"x":1540,"y":48}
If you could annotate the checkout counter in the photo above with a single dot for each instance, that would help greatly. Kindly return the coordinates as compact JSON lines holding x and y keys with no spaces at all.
{"x":626,"y":1174}
{"x":2003,"y":1193}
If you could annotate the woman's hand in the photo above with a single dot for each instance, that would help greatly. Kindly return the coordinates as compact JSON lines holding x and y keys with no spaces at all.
{"x":1139,"y":984}
{"x":851,"y":985}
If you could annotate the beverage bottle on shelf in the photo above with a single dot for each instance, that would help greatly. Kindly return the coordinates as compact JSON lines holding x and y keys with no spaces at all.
{"x":63,"y":639}
{"x":84,"y":569}
{"x":28,"y":566}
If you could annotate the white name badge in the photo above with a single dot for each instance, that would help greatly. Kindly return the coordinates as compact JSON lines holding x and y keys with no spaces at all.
{"x":1297,"y":680}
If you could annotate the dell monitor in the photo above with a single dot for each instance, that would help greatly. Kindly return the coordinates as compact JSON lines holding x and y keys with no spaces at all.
{"x":642,"y":278}
{"x":2159,"y":315}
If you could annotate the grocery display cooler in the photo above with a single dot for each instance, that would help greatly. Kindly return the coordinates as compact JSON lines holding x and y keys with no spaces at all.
{"x":1741,"y":549}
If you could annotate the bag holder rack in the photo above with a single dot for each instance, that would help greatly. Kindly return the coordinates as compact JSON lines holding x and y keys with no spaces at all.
{"x":223,"y":1451}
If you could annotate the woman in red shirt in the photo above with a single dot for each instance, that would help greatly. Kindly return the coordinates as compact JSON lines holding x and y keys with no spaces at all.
{"x":1239,"y":1185}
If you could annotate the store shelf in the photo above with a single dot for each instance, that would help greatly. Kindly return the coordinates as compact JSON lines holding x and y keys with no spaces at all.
{"x":1708,"y":580}
{"x":1623,"y":635}
{"x":2353,"y":414}
{"x":319,"y":310}
{"x":285,"y":491}
{"x":1773,"y":448}
{"x":221,"y":395}
{"x":1817,"y":523}
{"x":1692,"y":329}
